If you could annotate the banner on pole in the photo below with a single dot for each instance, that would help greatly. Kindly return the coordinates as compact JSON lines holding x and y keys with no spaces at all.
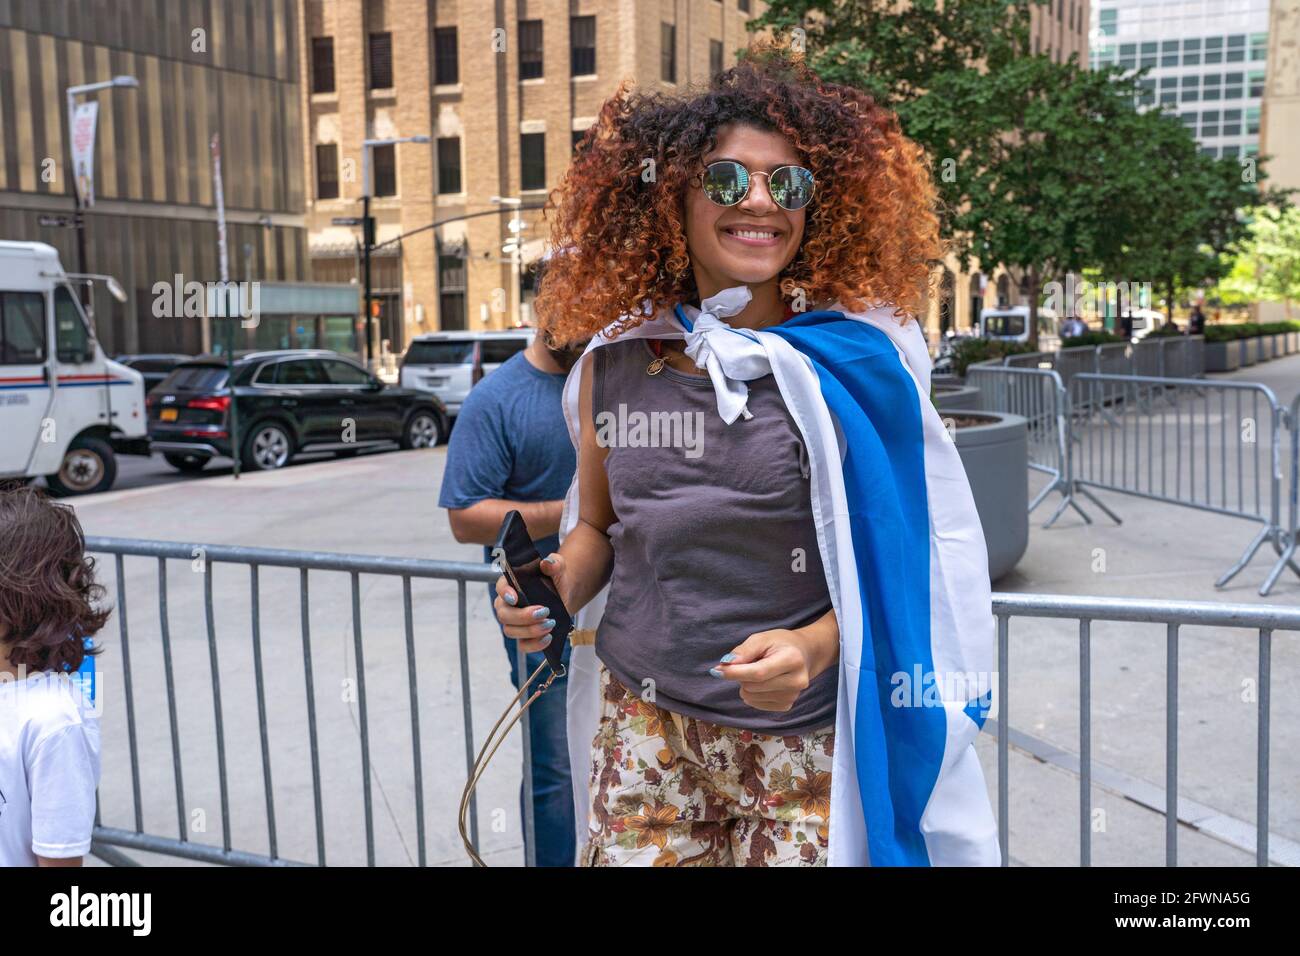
{"x":84,"y":118}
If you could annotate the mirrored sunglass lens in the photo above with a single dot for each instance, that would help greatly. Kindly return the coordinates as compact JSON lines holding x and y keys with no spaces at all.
{"x":792,"y":187}
{"x":726,"y":183}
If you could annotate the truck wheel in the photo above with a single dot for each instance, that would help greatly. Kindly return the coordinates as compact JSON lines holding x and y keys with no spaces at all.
{"x":268,"y":446}
{"x":88,"y":468}
{"x":190,"y":464}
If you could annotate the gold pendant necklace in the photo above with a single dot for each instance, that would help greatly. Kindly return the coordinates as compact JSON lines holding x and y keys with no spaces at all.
{"x":659,"y":361}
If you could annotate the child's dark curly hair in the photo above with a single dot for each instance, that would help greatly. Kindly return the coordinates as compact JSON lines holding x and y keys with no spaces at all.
{"x":872,"y":232}
{"x":47,"y":584}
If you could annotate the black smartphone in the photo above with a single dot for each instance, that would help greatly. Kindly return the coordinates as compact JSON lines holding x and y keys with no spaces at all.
{"x":519,"y":561}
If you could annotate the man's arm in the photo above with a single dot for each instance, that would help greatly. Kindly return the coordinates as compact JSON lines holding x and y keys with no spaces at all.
{"x":480,"y":522}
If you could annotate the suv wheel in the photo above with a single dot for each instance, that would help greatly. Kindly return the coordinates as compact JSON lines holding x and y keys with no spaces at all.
{"x":267,"y":447}
{"x":423,"y":430}
{"x":88,"y":468}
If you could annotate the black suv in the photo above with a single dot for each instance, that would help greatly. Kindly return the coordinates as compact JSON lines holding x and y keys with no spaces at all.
{"x":286,"y":402}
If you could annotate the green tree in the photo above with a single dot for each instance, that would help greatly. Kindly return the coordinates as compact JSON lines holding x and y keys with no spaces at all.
{"x":1265,"y":262}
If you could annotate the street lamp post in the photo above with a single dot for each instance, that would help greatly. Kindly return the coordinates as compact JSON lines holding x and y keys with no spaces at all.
{"x":516,"y":228}
{"x":72,"y":92}
{"x":368,"y":225}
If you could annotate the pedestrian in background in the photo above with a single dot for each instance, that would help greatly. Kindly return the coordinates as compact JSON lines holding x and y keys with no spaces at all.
{"x":49,"y":729}
{"x":510,"y":451}
{"x":1196,"y":321}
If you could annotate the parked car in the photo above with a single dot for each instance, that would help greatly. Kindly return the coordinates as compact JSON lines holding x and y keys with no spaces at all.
{"x":286,"y":402}
{"x":1145,"y":321}
{"x":1011,"y":324}
{"x":449,"y":364}
{"x":155,"y":367}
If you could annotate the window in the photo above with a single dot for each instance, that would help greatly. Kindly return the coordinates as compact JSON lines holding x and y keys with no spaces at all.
{"x":496,"y":351}
{"x":1148,"y":54}
{"x":1259,"y":46}
{"x":381,"y":61}
{"x":1256,"y":83}
{"x":582,"y":46}
{"x":1169,"y":89}
{"x":668,"y":52}
{"x":1231,"y":123}
{"x":449,"y":164}
{"x":1232,"y":85}
{"x":300,"y":372}
{"x":322,"y":64}
{"x":1107,"y":22}
{"x":1148,"y":92}
{"x":715,"y":57}
{"x":1252,"y":121}
{"x":327,"y":171}
{"x":578,"y":134}
{"x":532,"y":161}
{"x":71,"y":337}
{"x":451,"y":292}
{"x":345,"y":373}
{"x":1210,"y":123}
{"x":530,"y":49}
{"x":1214,"y":49}
{"x":1211,"y":86}
{"x":1169,"y":53}
{"x":1192,"y":52}
{"x":1191,"y":91}
{"x":1237,"y":49}
{"x":385,"y":171}
{"x":1128,"y":55}
{"x":743,"y":6}
{"x":446,"y":56}
{"x":1189,"y":121}
{"x":22,"y":328}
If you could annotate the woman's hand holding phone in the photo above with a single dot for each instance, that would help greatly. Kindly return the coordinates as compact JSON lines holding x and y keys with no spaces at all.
{"x":530,"y":625}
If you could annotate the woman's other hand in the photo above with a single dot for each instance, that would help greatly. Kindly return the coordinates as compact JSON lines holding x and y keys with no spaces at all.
{"x":774,"y":667}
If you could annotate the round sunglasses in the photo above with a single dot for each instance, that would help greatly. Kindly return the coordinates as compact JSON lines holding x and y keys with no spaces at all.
{"x":726,"y":183}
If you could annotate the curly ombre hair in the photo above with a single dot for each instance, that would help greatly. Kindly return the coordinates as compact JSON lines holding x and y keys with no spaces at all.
{"x":871,"y":233}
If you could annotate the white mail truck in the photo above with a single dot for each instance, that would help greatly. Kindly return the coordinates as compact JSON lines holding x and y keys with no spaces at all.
{"x":66,"y":410}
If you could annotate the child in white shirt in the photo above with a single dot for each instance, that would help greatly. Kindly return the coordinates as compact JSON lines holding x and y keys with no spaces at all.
{"x":49,"y":729}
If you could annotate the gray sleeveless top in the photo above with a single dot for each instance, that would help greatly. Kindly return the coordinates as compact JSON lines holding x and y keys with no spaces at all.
{"x":714,"y":538}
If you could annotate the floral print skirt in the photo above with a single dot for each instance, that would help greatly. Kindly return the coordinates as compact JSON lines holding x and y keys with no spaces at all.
{"x":668,"y":790}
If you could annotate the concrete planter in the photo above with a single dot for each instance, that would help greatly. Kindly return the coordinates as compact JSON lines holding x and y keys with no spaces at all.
{"x":944,"y":378}
{"x":1292,"y":343}
{"x":1222,"y":356}
{"x":956,"y":397}
{"x":994,"y":450}
{"x":1249,"y":351}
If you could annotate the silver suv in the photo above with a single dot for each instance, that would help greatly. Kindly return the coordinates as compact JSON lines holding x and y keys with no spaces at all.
{"x":449,"y":364}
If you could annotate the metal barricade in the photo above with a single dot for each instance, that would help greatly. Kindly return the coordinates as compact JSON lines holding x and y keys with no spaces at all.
{"x":1038,"y":396}
{"x":212,"y":689}
{"x":1215,"y":446}
{"x":185,"y":676}
{"x":1291,"y":533}
{"x":1262,"y":619}
{"x":1114,"y":359}
{"x":1148,"y":357}
{"x":1075,"y":360}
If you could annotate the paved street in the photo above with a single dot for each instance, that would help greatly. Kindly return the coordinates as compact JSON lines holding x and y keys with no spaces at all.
{"x":385,"y":504}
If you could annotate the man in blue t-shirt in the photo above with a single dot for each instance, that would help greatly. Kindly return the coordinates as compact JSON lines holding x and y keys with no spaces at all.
{"x":510,"y":451}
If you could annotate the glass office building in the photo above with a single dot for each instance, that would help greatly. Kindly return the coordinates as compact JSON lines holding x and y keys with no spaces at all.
{"x":1207,"y":60}
{"x":204,"y":67}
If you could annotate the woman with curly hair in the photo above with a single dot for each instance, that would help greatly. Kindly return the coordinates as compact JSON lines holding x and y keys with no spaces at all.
{"x":49,"y":732}
{"x":784,"y":638}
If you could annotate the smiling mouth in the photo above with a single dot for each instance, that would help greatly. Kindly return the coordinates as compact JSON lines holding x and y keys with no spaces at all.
{"x":753,"y":236}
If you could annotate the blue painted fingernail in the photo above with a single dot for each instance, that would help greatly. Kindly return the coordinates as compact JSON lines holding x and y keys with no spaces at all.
{"x":728,"y":658}
{"x":540,"y":613}
{"x":510,"y":598}
{"x":549,"y":623}
{"x":546,"y":641}
{"x":715,"y":672}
